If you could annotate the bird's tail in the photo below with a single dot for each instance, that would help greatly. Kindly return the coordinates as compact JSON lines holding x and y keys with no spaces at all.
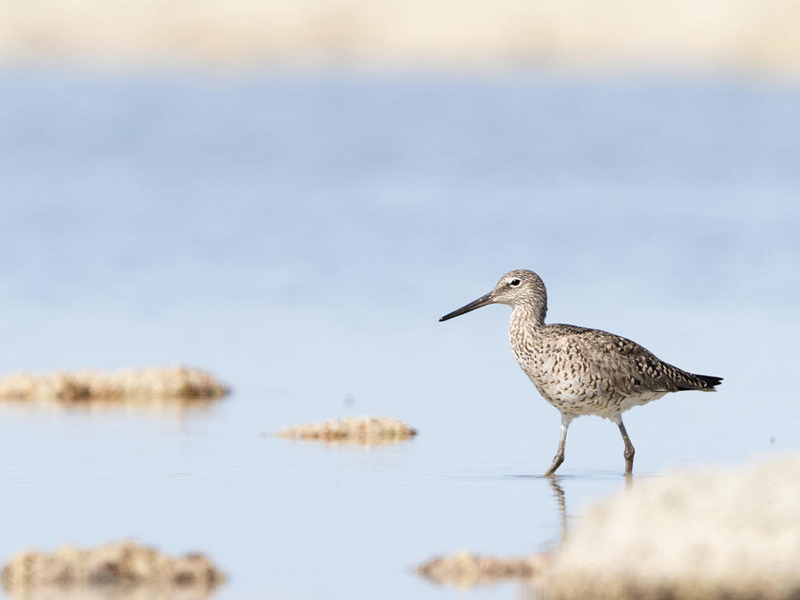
{"x":706,"y":383}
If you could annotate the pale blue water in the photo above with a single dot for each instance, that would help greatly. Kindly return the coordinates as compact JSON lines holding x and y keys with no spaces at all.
{"x":300,"y":236}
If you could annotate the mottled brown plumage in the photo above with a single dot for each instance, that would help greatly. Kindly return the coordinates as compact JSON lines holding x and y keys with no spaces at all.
{"x":581,"y":371}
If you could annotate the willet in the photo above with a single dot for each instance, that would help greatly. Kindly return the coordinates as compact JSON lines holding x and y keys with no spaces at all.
{"x":578,"y":370}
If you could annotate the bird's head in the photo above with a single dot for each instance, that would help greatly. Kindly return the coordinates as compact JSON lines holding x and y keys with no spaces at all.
{"x":520,"y":289}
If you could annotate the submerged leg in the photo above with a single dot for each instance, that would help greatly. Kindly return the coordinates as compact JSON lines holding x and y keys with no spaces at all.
{"x":629,"y":449}
{"x":562,"y":442}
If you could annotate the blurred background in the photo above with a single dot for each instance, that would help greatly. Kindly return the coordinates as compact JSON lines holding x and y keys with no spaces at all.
{"x":746,"y":35}
{"x":290,"y":194}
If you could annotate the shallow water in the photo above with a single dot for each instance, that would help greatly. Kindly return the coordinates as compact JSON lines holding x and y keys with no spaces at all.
{"x":300,"y":236}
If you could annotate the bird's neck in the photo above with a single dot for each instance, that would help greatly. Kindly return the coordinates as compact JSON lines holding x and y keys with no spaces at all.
{"x":527,"y":318}
{"x":524,"y":333}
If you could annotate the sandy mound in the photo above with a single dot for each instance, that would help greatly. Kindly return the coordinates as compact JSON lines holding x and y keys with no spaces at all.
{"x":79,"y":386}
{"x":466,"y":570}
{"x":360,"y":430}
{"x":715,"y":533}
{"x":124,"y":566}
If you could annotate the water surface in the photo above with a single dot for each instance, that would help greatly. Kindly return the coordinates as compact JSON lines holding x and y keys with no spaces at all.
{"x":301,"y":235}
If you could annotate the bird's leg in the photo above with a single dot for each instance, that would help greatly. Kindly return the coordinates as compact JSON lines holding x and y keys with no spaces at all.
{"x":562,"y":442}
{"x":629,"y":449}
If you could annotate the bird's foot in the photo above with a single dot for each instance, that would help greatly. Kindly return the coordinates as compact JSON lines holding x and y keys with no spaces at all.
{"x":557,"y":460}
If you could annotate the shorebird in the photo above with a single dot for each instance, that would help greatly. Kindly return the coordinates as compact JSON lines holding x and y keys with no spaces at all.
{"x":578,"y":370}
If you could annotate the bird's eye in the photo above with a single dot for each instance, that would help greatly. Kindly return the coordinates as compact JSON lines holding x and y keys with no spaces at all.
{"x":514,"y":282}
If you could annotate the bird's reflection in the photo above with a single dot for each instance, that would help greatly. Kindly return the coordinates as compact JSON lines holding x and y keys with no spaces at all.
{"x":561,"y":502}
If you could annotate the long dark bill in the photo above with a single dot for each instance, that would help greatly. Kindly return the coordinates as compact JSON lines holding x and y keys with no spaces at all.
{"x":482,"y":301}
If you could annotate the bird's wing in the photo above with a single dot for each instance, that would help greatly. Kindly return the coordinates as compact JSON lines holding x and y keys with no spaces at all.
{"x":622,"y":363}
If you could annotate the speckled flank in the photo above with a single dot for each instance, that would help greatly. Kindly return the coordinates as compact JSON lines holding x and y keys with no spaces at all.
{"x":582,"y":371}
